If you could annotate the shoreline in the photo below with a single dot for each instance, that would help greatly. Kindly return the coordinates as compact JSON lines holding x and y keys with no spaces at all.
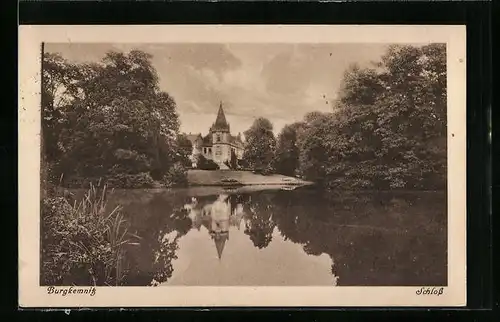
{"x":237,"y":179}
{"x":249,"y":184}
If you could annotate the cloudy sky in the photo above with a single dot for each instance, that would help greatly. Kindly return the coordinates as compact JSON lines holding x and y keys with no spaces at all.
{"x":279,"y":81}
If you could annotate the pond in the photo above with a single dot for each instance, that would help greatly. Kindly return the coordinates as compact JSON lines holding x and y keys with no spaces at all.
{"x":284,"y":237}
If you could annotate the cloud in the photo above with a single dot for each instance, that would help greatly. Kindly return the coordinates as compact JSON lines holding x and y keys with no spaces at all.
{"x":282,"y":82}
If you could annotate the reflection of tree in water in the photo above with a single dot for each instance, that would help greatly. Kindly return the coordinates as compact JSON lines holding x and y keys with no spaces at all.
{"x":259,"y":224}
{"x":311,"y":250}
{"x":256,"y":209}
{"x":159,"y":224}
{"x":235,"y":200}
{"x":372,"y":239}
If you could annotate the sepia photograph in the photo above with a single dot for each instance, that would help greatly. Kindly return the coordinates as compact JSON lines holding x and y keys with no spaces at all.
{"x":247,"y":164}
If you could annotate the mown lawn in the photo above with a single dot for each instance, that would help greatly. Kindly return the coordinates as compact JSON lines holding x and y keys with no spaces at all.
{"x":234,"y":177}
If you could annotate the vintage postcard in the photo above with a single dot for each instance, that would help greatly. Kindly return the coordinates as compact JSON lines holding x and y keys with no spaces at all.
{"x":242,"y":165}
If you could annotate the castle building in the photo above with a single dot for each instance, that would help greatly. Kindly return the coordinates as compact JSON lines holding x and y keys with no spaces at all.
{"x":218,"y":143}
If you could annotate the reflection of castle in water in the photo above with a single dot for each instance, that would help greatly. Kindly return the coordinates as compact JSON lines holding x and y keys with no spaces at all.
{"x":217,"y":217}
{"x":340,"y":227}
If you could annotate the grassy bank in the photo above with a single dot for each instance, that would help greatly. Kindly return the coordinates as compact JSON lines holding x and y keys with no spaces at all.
{"x":238,"y":178}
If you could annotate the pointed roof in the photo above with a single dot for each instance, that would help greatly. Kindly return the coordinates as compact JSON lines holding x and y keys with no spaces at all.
{"x":235,"y":139}
{"x":220,"y":121}
{"x":220,"y":242}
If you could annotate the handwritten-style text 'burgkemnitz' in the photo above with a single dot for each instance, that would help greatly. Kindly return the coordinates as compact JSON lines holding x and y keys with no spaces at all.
{"x":71,"y":290}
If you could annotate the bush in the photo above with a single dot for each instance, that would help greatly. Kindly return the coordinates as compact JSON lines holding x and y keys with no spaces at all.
{"x":263,"y":171}
{"x":206,"y":164}
{"x":123,"y":180}
{"x":82,"y":244}
{"x":175,"y":176}
{"x":243,"y":164}
{"x":51,"y":173}
{"x":233,"y":163}
{"x":81,"y":182}
{"x":116,"y":180}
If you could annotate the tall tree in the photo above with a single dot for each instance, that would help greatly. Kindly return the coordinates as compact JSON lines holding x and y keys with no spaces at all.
{"x":118,"y":121}
{"x":234,"y":160}
{"x":286,"y":159}
{"x":58,"y":76}
{"x":261,"y":144}
{"x":318,"y":141}
{"x":388,"y":127}
{"x":403,"y":126}
{"x":185,"y":149}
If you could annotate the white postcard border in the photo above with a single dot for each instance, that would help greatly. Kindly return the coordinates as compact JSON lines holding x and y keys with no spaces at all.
{"x":32,"y":295}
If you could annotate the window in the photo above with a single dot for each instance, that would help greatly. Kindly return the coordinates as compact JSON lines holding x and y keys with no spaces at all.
{"x":209,"y":150}
{"x":218,"y":137}
{"x":218,"y":150}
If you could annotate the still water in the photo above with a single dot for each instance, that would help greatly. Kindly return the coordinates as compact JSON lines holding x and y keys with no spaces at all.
{"x":277,"y":237}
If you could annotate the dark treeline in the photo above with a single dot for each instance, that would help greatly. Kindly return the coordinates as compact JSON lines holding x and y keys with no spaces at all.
{"x":387,"y":129}
{"x":109,"y":120}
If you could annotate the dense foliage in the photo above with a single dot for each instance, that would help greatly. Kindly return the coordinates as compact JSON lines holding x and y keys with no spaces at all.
{"x":286,"y":160}
{"x":387,"y":129}
{"x":260,"y":144}
{"x":184,"y":151}
{"x":109,"y":120}
{"x":233,"y":162}
{"x":206,"y":164}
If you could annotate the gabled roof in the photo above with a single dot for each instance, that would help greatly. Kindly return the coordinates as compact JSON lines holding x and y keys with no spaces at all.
{"x":235,"y":139}
{"x":194,"y":137}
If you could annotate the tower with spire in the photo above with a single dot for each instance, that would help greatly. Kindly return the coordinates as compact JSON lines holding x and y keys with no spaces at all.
{"x":217,"y":217}
{"x":220,"y":125}
{"x":220,"y":241}
{"x":220,"y":214}
{"x":218,"y":144}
